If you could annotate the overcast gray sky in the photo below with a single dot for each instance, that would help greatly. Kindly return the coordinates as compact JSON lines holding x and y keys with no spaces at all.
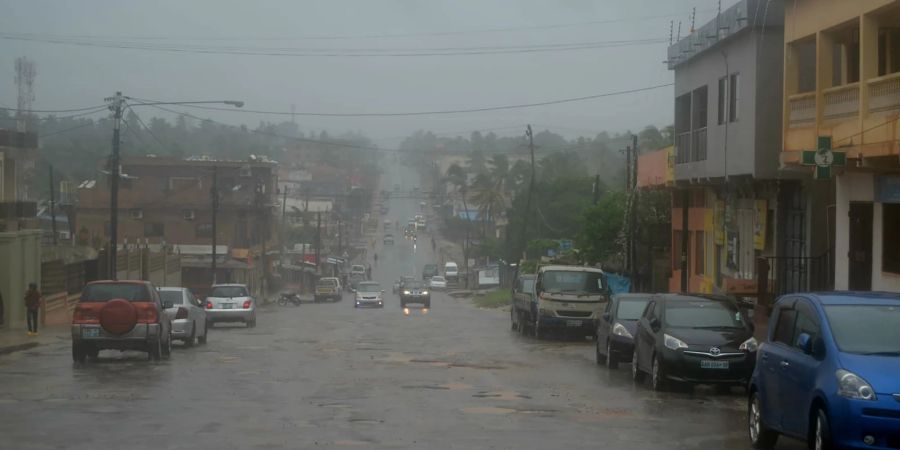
{"x":76,"y":76}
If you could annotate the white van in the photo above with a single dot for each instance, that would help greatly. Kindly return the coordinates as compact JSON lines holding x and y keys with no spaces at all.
{"x":451,"y":271}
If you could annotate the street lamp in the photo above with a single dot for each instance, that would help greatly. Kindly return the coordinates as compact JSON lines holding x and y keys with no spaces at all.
{"x":116,"y":105}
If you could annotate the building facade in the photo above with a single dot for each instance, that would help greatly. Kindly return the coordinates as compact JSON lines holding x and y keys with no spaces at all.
{"x":841,"y":105}
{"x":728,"y":75}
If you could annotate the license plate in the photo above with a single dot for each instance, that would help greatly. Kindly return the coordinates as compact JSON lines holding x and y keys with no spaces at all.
{"x":706,"y":364}
{"x":573,"y":323}
{"x":90,"y":332}
{"x":227,"y":306}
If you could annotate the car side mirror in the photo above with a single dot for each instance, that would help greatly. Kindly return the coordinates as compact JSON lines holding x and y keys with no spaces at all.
{"x":805,"y":343}
{"x":167,"y":305}
{"x":606,"y":316}
{"x":654,"y":324}
{"x":382,"y":291}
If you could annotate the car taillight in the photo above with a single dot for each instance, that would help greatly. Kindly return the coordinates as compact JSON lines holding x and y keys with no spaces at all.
{"x":246,"y":304}
{"x":209,"y":305}
{"x":146,"y":312}
{"x":85,"y":314}
{"x":182,"y":313}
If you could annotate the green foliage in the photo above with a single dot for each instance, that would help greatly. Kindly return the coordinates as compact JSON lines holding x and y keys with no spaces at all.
{"x":538,"y":247}
{"x":599,"y":239}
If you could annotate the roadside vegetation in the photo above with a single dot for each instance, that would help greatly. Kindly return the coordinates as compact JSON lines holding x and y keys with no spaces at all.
{"x":494,"y":299}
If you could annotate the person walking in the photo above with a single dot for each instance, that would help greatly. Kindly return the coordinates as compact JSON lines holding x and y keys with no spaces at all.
{"x":32,"y":305}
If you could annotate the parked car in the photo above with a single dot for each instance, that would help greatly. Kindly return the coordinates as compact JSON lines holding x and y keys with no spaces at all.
{"x":829,"y":372}
{"x":566,"y":299}
{"x":522,"y":292}
{"x":369,"y":293}
{"x":437,"y":282}
{"x":398,"y":285}
{"x":451,"y":271}
{"x":120,"y":315}
{"x":388,"y":239}
{"x":328,"y":288}
{"x":695,"y":339}
{"x":231,"y":303}
{"x":187,"y":314}
{"x":616,"y":328}
{"x":429,"y":271}
{"x":415,"y":291}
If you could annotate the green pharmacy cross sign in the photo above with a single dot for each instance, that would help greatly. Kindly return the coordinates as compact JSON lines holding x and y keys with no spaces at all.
{"x":824,"y":158}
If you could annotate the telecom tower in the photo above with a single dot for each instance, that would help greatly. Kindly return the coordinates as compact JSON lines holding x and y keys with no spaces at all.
{"x":25,"y":73}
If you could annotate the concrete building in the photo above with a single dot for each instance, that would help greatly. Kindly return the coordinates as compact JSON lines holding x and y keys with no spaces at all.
{"x":841,"y":105}
{"x":168,"y":201}
{"x":728,"y":74}
{"x":20,"y":235}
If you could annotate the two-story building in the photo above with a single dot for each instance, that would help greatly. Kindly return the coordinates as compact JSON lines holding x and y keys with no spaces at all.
{"x":728,"y":78}
{"x":169,"y":202}
{"x":841,"y":110}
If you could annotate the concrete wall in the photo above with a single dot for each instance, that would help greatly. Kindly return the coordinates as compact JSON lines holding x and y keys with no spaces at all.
{"x":803,"y":18}
{"x":859,"y":187}
{"x":20,"y":253}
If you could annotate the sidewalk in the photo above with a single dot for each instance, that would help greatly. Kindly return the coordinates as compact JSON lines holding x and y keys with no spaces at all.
{"x":16,"y":340}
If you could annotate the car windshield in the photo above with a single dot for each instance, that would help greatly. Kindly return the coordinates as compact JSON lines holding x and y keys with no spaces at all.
{"x":357,"y":268}
{"x":631,"y":308}
{"x":368,"y":287}
{"x":528,"y":285}
{"x":437,"y":279}
{"x":865,"y":329}
{"x":327,"y":282}
{"x":414,"y":285}
{"x":703,"y":314}
{"x":174,"y":297}
{"x":102,"y":292}
{"x":573,"y":282}
{"x":228,"y":292}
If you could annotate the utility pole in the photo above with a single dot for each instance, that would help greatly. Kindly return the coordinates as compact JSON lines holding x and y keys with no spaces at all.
{"x":634,"y":205}
{"x":340,"y":226}
{"x":52,"y":207}
{"x":597,"y":189}
{"x":318,"y":238}
{"x":116,"y":104}
{"x":283,"y":224}
{"x":530,"y":136}
{"x":214,"y":193}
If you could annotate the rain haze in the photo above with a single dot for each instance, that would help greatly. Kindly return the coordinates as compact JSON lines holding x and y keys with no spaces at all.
{"x":77,"y":75}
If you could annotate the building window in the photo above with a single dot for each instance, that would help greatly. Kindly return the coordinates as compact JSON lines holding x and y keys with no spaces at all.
{"x":699,"y":119}
{"x":890,"y":239}
{"x":203,"y":230}
{"x":723,"y":96}
{"x":184,"y":183}
{"x":699,"y":253}
{"x":136,"y":213}
{"x":734,"y":86}
{"x":155,"y":229}
{"x":682,"y":128}
{"x":888,"y":51}
{"x":805,"y":52}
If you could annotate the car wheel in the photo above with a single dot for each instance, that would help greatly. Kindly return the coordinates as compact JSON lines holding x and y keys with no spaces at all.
{"x":189,"y":342}
{"x":636,"y":373}
{"x":522,"y":324}
{"x":600,"y":356}
{"x":251,"y":323}
{"x":167,"y":348}
{"x":155,"y":350}
{"x":282,"y":301}
{"x":761,"y":437}
{"x":202,"y":338}
{"x":611,"y":362}
{"x":512,"y":320}
{"x":93,"y":352}
{"x":657,"y":376}
{"x":821,"y":433}
{"x":78,"y":353}
{"x":428,"y":304}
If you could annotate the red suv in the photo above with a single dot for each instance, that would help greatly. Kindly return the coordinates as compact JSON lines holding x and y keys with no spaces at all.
{"x":120,"y":315}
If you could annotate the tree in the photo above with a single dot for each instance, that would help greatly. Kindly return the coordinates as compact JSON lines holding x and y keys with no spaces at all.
{"x":600,"y":240}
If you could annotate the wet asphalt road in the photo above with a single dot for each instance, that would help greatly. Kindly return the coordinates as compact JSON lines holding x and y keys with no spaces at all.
{"x":331,"y":376}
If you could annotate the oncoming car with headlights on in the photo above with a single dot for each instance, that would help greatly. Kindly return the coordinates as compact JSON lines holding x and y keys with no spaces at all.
{"x":369,"y":294}
{"x":415,"y":292}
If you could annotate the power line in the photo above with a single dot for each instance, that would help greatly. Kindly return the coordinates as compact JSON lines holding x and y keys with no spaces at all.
{"x":66,"y":130}
{"x":58,"y":110}
{"x":152,"y":134}
{"x":87,"y":113}
{"x":437,"y":112}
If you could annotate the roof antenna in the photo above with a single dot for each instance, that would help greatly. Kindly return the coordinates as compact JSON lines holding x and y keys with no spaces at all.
{"x":671,"y":30}
{"x":693,"y":19}
{"x":679,"y":32}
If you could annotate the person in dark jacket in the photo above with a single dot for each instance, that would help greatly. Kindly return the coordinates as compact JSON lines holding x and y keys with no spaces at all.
{"x":32,"y":304}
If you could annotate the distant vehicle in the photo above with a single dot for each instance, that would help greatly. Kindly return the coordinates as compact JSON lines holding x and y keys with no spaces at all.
{"x":422,"y":205}
{"x":358,"y":269}
{"x":429,"y":271}
{"x":616,"y":328}
{"x":400,"y":282}
{"x":415,"y":292}
{"x":384,"y":209}
{"x":231,"y":303}
{"x":388,"y":239}
{"x":187,"y":314}
{"x":387,"y":224}
{"x":828,"y":372}
{"x":121,"y":315}
{"x":565,"y":298}
{"x":451,"y":272}
{"x":437,"y":282}
{"x":693,"y":339}
{"x":328,"y":288}
{"x":369,"y":293}
{"x":522,"y":292}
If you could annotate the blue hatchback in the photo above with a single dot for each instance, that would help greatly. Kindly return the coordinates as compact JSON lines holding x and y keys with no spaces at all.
{"x":829,"y":372}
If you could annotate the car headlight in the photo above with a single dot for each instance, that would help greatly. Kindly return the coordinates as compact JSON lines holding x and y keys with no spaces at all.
{"x":750,"y":345}
{"x":673,"y":343}
{"x":405,"y":292}
{"x":424,"y":292}
{"x":851,"y":385}
{"x":620,"y":330}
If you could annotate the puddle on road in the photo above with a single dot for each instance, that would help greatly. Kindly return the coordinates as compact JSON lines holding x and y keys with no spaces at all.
{"x":488,"y":410}
{"x":427,"y":386}
{"x":335,"y":405}
{"x":366,"y":421}
{"x":228,"y":359}
{"x":352,"y":443}
{"x":502,"y":395}
{"x":456,"y":386}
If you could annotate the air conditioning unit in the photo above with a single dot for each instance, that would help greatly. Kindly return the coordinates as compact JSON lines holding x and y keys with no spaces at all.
{"x":189,"y":214}
{"x":136,"y":213}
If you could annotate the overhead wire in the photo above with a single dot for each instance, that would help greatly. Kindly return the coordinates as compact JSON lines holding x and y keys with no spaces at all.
{"x":58,"y":110}
{"x":149,"y":131}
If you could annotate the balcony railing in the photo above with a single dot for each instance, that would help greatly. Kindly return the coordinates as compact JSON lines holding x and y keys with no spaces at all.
{"x":682,"y":147}
{"x":802,"y":109}
{"x":841,"y":102}
{"x":884,"y":93}
{"x":698,"y":145}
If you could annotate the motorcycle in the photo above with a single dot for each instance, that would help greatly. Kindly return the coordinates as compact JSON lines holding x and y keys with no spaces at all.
{"x":288,"y":297}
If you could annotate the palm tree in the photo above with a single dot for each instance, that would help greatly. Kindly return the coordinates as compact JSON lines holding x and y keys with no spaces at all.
{"x":457,"y":176}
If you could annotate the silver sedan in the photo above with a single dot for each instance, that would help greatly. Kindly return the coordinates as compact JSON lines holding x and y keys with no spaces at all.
{"x":188,"y":317}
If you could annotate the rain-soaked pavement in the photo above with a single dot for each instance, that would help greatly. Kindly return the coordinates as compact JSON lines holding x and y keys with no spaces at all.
{"x":331,"y":376}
